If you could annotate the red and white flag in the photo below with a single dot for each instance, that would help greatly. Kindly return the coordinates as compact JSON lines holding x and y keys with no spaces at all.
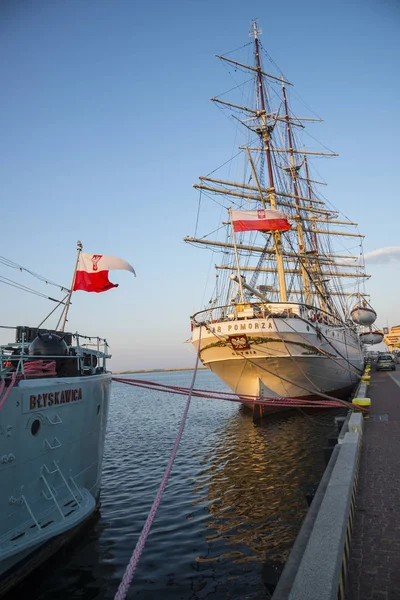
{"x":92,"y":272}
{"x":259,"y":220}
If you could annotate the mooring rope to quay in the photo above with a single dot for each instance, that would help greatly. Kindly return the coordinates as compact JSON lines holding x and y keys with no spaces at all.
{"x":131,"y":567}
{"x":270,"y":401}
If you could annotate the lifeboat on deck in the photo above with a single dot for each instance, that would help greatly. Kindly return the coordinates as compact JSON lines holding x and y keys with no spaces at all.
{"x":363,"y":315}
{"x":371,"y":337}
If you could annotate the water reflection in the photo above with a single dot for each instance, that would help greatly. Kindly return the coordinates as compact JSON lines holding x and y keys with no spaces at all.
{"x":235,"y":497}
{"x":253,"y":482}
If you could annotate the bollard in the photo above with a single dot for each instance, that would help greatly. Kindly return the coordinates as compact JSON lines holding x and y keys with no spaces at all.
{"x":361,"y":401}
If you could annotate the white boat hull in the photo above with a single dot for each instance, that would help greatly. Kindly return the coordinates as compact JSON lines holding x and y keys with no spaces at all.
{"x":282,"y":358}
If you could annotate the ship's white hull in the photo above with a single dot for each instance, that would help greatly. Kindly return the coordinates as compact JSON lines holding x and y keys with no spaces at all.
{"x":281,"y":357}
{"x":51,"y":449}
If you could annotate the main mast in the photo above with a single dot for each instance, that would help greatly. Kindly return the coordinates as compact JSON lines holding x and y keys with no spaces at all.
{"x":271,"y":195}
{"x":317,"y":266}
{"x":302,"y":273}
{"x":293,"y":173}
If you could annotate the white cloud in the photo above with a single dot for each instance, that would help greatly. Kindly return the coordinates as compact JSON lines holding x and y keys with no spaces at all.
{"x":382,"y":256}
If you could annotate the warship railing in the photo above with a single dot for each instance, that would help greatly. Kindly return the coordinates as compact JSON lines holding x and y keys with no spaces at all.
{"x":87,"y":351}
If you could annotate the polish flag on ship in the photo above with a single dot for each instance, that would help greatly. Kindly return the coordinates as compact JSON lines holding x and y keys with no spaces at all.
{"x":259,"y":220}
{"x":92,"y":272}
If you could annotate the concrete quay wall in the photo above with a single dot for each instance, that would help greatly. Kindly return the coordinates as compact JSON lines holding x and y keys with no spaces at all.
{"x":317,"y":565}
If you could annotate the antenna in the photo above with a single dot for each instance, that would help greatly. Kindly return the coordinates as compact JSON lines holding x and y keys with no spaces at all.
{"x":67,"y":304}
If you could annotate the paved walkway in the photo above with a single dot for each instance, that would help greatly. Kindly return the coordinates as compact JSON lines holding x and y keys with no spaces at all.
{"x":374,"y":566}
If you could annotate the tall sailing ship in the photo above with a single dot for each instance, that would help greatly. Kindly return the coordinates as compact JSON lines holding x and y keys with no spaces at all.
{"x":289,"y":303}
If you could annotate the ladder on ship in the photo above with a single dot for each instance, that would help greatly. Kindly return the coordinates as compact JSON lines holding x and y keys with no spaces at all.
{"x":65,"y":505}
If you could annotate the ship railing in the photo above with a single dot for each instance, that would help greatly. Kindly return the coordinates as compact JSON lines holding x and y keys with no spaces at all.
{"x":90,"y":354}
{"x":259,"y":310}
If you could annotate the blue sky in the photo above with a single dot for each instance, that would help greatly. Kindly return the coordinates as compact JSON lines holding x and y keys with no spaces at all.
{"x":106,"y":124}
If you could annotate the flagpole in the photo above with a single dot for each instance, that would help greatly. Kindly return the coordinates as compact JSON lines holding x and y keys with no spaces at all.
{"x":66,"y":308}
{"x":237,"y":258}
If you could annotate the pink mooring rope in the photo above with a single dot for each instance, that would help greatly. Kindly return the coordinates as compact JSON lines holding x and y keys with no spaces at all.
{"x":38,"y":368}
{"x":10,"y":387}
{"x":268,"y":401}
{"x":131,"y":568}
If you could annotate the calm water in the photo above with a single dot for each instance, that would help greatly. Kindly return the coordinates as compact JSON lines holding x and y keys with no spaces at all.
{"x":235,"y":497}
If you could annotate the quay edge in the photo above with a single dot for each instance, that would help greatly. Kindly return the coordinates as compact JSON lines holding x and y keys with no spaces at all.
{"x":317,"y":564}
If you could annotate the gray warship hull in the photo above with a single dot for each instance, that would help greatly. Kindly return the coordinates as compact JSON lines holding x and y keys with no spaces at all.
{"x":52,"y":433}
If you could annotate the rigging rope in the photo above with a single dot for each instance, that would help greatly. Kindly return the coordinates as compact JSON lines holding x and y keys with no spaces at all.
{"x":9,"y":263}
{"x":24,"y":288}
{"x":318,"y":331}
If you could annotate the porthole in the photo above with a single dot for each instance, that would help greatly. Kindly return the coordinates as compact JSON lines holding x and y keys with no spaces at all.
{"x":308,"y":328}
{"x":98,"y":408}
{"x":35,"y":427}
